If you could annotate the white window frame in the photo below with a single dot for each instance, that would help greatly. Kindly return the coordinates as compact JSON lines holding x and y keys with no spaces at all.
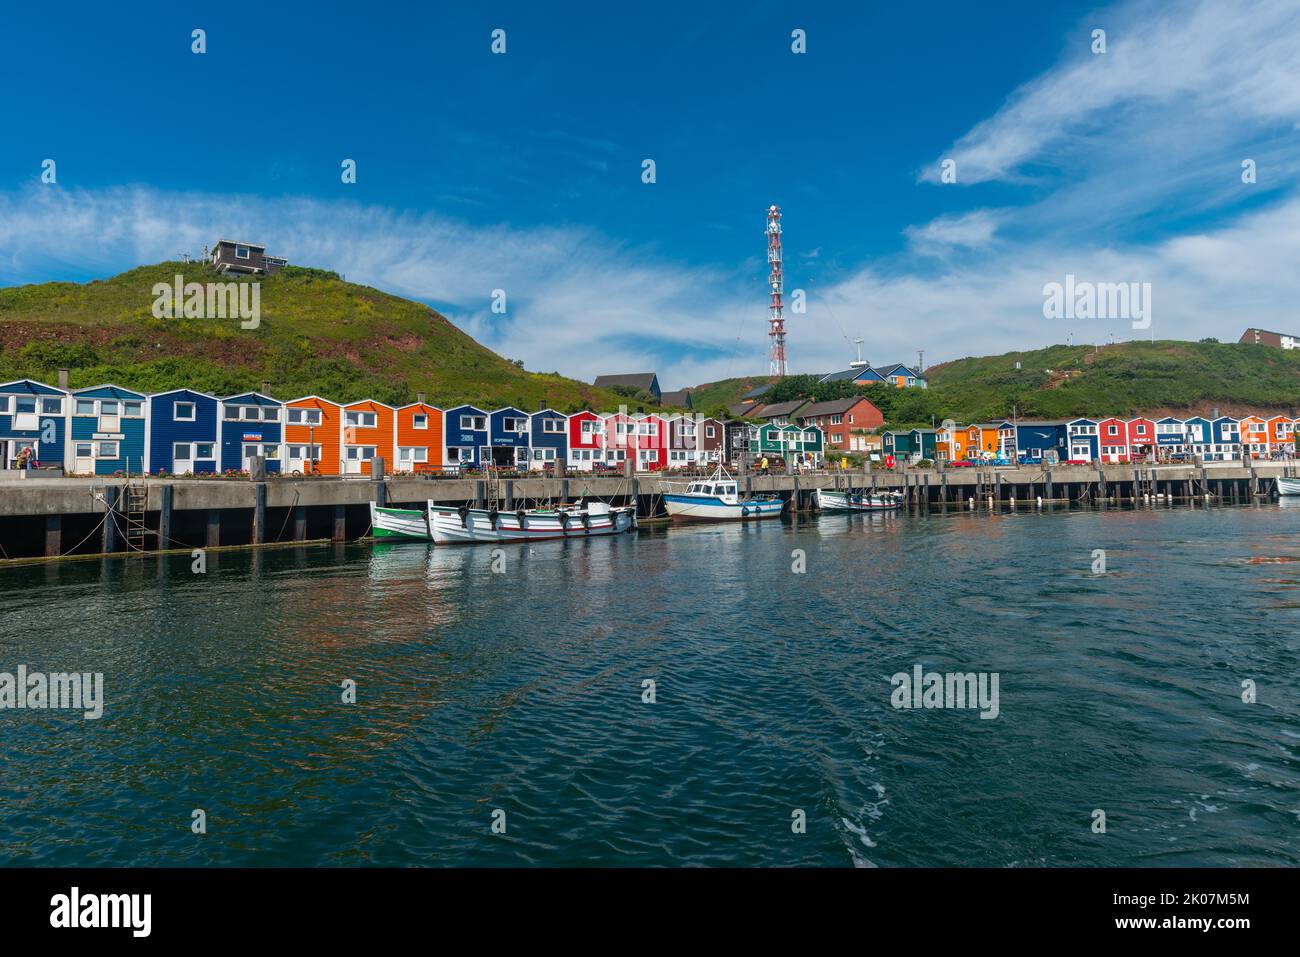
{"x":192,"y":417}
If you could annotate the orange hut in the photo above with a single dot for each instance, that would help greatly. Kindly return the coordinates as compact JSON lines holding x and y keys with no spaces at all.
{"x":311,"y":436}
{"x":1253,"y":430}
{"x":1281,"y":434}
{"x":419,"y":438}
{"x":368,"y":433}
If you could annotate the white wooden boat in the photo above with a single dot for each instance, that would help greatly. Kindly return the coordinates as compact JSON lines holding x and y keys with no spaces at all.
{"x":1288,"y":486}
{"x":717,"y":498}
{"x":829,"y":500}
{"x":452,"y":526}
{"x":399,"y":524}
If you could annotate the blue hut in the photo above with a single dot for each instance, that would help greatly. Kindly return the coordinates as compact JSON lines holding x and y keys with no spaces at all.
{"x":509,"y":435}
{"x":1034,"y":439}
{"x":251,"y":425}
{"x":1198,"y":435}
{"x":549,"y":439}
{"x":465,"y":432}
{"x":32,"y":416}
{"x":107,"y":431}
{"x":1225,"y":438}
{"x":1085,"y":443}
{"x":184,"y":432}
{"x":1171,"y":437}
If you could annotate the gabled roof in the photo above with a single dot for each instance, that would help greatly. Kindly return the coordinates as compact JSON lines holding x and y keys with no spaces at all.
{"x":30,"y":387}
{"x":833,"y":407}
{"x":637,"y":380}
{"x":780,"y":408}
{"x":1039,"y":423}
{"x":757,"y":391}
{"x":680,"y":397}
{"x":252,"y":398}
{"x":201,"y":395}
{"x":308,"y":398}
{"x":109,"y":391}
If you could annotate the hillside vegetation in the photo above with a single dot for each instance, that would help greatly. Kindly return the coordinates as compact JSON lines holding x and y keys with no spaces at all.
{"x":318,"y":335}
{"x":1163,"y":377}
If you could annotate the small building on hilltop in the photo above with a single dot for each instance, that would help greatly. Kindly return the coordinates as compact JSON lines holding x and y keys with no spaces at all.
{"x":229,"y":256}
{"x":640,"y":381}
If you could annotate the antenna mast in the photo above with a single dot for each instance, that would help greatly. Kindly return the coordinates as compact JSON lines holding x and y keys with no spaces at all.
{"x":776,"y":281}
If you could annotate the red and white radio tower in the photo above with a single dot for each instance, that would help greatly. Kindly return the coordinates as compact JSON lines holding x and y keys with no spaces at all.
{"x":776,"y":279}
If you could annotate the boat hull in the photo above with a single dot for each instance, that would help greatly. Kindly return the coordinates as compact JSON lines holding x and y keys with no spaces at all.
{"x":694,"y":507}
{"x":398,"y":524}
{"x":1288,"y":486}
{"x":829,"y":501}
{"x":450,"y":526}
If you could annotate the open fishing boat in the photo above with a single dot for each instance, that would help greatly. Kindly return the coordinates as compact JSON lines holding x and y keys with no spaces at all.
{"x":450,"y":526}
{"x":1288,"y":486}
{"x":718,"y":498}
{"x":399,"y":524}
{"x":829,"y":500}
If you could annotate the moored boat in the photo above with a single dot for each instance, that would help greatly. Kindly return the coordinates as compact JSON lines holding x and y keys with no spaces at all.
{"x":829,"y":500}
{"x":398,"y":524}
{"x":717,"y":498}
{"x":451,"y":526}
{"x":1288,"y":486}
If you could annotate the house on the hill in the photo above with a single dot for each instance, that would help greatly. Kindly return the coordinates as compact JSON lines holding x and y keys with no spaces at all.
{"x":895,"y":374}
{"x":229,"y":256}
{"x":1262,"y":337}
{"x":641,"y":381}
{"x":679,"y":399}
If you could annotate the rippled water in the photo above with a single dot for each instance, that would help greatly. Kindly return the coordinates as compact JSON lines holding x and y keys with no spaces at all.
{"x":522,"y":691}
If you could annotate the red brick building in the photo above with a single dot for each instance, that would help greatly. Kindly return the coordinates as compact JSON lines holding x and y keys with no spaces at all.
{"x":839,"y":417}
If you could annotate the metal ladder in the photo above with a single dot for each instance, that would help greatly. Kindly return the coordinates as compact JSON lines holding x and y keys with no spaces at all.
{"x":134,"y":505}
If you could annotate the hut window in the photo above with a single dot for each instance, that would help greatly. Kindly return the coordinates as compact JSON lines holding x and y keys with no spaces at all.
{"x":363,"y":419}
{"x":107,"y":450}
{"x":552,"y":425}
{"x":183,"y":411}
{"x":133,"y":409}
{"x":420,"y":422}
{"x":241,"y":252}
{"x":52,"y":406}
{"x":85,"y":407}
{"x":203,"y":450}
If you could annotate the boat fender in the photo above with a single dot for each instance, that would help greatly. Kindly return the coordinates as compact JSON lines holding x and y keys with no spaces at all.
{"x":519,"y":514}
{"x":492,"y":517}
{"x":463,"y":512}
{"x":744,"y":511}
{"x":586,"y":521}
{"x":564,"y":520}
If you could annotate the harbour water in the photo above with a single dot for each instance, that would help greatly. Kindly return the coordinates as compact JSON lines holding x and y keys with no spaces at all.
{"x":522,"y":689}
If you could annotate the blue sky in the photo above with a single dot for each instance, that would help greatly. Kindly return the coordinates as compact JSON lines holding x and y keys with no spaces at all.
{"x":523,"y":171}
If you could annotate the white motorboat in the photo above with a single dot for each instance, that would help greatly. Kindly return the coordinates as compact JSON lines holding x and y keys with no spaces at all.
{"x":829,"y":500}
{"x":717,"y":498}
{"x":451,"y":526}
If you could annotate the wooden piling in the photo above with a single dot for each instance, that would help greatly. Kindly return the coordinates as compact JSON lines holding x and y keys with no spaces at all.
{"x":53,"y":536}
{"x":213,"y":538}
{"x":165,"y":510}
{"x":300,"y":523}
{"x":340,"y":533}
{"x":259,"y":513}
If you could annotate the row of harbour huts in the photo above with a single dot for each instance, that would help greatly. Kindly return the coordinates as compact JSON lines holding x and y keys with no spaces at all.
{"x":1216,"y":438}
{"x":109,"y":430}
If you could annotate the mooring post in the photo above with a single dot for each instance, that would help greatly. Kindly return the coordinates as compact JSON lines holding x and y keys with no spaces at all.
{"x":213,"y":539}
{"x":510,"y":495}
{"x":797,"y":503}
{"x":1047,"y":483}
{"x":340,"y":533}
{"x":165,"y":508}
{"x":378,"y":472}
{"x":53,"y":536}
{"x":300,"y":523}
{"x":259,"y":513}
{"x":926,"y":495}
{"x":108,"y":542}
{"x":636,"y":493}
{"x":480,"y":494}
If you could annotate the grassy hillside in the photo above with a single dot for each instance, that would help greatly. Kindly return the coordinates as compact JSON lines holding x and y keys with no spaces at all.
{"x":318,"y":334}
{"x":1163,"y":377}
{"x":1122,"y":379}
{"x":725,"y":392}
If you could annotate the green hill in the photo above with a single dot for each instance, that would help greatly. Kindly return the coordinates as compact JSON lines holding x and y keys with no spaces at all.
{"x":318,"y":335}
{"x":1166,"y":377}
